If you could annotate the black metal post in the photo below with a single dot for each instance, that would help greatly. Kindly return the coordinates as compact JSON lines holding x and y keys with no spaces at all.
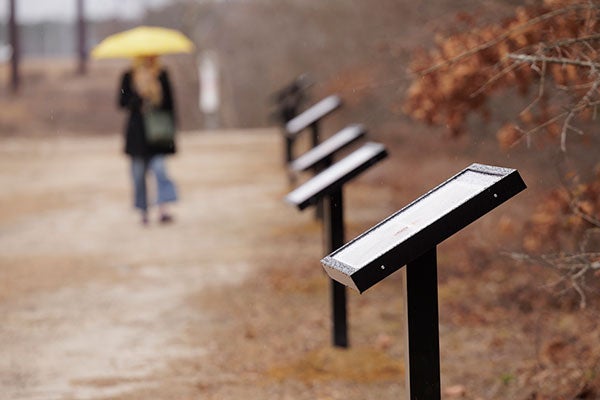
{"x":13,"y":31}
{"x":314,"y":127}
{"x":81,"y":38}
{"x":289,"y":157}
{"x":422,"y":328}
{"x":334,"y":237}
{"x":319,"y":213}
{"x":288,"y":150}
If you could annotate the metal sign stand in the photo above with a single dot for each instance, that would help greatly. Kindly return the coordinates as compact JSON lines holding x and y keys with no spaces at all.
{"x":310,"y":118}
{"x":288,"y":101}
{"x":327,"y":188}
{"x":421,"y":328}
{"x":320,"y":157}
{"x":410,"y":237}
{"x":333,"y":223}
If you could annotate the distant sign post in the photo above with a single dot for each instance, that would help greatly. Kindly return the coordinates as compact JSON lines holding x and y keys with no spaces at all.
{"x":310,"y":119}
{"x":409,"y":237}
{"x":328,"y":186}
{"x":321,"y":156}
{"x":288,"y":101}
{"x":289,"y":98}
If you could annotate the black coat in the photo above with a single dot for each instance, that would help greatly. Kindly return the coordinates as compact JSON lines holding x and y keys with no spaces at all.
{"x":135,"y":137}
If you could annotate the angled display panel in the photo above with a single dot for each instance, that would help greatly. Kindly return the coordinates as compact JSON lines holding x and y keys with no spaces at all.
{"x":313,"y":114}
{"x":422,"y":225}
{"x":338,"y":141}
{"x":336,"y":175}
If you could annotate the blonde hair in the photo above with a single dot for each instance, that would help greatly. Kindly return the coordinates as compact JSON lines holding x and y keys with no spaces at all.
{"x":146,"y":70}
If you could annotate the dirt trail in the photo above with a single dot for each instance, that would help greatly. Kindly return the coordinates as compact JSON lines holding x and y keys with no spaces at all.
{"x":230,"y":301}
{"x":92,"y":303}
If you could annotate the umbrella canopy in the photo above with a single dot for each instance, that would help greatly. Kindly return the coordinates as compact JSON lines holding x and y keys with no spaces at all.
{"x":143,"y":41}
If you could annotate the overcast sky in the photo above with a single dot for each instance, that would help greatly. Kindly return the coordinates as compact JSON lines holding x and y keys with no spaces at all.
{"x":40,"y":10}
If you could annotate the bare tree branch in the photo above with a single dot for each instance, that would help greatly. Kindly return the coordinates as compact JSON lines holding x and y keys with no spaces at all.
{"x":541,"y":86}
{"x":507,"y":34}
{"x":572,"y":268}
{"x":507,"y":70}
{"x":556,"y":60}
{"x":569,"y":42}
{"x":577,"y":211}
{"x":583,"y":104}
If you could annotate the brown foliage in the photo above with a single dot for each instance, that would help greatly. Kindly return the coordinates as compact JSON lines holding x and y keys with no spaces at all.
{"x":564,"y":216}
{"x":553,"y":42}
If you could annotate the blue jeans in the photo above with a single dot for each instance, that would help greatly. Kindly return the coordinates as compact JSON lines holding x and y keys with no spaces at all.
{"x":165,"y":188}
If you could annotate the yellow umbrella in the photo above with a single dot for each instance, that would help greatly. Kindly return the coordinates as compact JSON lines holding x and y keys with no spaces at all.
{"x":143,"y":41}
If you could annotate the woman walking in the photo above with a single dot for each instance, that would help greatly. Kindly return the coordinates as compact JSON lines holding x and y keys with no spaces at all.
{"x":145,"y":87}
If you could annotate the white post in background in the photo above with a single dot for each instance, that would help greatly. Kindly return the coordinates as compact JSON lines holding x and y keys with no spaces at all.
{"x":208,"y":74}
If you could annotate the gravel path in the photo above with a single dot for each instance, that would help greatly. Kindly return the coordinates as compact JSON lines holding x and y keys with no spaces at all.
{"x":93,"y":303}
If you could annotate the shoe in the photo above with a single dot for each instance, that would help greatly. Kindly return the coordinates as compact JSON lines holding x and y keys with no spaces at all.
{"x":166,"y":219}
{"x":145,"y":220}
